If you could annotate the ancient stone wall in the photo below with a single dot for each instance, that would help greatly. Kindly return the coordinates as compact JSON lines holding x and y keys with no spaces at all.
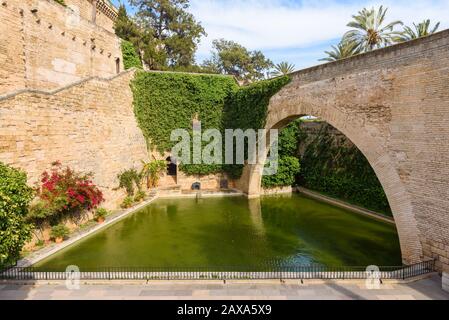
{"x":47,"y":46}
{"x":105,"y":13}
{"x":88,"y":126}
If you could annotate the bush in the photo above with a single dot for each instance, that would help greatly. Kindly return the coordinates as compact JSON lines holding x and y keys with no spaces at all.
{"x":129,"y":180}
{"x":15,"y":196}
{"x":152,"y":171}
{"x":101,"y":213}
{"x":288,"y":168}
{"x":127,"y":202}
{"x":64,"y":192}
{"x":139,"y":196}
{"x":131,"y":58}
{"x":59,"y":231}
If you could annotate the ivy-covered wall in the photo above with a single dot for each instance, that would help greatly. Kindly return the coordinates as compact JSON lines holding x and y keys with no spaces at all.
{"x":130,"y":56}
{"x":165,"y":101}
{"x":333,"y":165}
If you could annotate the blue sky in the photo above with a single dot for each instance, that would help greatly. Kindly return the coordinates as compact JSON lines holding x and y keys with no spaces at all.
{"x":297,"y":31}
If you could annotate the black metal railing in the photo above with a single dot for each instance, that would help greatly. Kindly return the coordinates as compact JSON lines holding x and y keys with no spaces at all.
{"x":223,"y":273}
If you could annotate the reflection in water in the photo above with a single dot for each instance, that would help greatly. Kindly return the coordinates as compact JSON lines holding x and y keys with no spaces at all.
{"x":235,"y":231}
{"x":255,"y":213}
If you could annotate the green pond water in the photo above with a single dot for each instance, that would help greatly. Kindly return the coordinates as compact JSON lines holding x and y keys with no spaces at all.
{"x":235,"y":231}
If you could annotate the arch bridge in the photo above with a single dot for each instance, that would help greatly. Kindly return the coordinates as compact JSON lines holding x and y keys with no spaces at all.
{"x":393,"y":104}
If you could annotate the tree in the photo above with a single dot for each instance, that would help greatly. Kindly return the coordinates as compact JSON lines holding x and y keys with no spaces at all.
{"x":15,"y":197}
{"x":343,"y":50}
{"x":420,"y":30}
{"x":369,"y":31}
{"x":174,"y":31}
{"x":125,"y":28}
{"x":229,"y":57}
{"x":283,"y":68}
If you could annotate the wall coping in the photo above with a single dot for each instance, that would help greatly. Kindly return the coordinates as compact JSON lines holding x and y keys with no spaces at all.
{"x":378,"y":52}
{"x":73,"y":84}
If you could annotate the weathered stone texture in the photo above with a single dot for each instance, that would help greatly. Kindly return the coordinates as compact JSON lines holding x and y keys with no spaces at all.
{"x":47,"y":46}
{"x":393,"y":104}
{"x":89,"y":126}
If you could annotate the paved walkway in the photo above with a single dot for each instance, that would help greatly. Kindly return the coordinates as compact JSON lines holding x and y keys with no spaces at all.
{"x":429,"y":288}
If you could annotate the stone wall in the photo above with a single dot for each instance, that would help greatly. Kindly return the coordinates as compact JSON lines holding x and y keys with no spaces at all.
{"x":89,"y":126}
{"x":47,"y":46}
{"x":105,"y":13}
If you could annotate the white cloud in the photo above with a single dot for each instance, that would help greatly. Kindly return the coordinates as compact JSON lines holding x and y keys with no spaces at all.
{"x":273,"y":25}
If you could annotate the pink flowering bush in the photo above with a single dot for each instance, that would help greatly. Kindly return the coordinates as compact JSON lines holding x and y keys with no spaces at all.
{"x":63,"y":191}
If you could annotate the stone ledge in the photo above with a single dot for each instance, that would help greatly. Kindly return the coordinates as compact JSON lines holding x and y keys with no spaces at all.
{"x":445,"y":281}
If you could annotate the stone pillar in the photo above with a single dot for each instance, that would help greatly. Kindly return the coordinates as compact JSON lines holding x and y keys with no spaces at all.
{"x":445,"y":281}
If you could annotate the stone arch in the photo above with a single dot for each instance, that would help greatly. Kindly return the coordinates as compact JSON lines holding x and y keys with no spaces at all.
{"x":285,"y":108}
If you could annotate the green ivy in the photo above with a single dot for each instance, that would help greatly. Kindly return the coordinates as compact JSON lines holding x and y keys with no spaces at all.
{"x":15,"y":196}
{"x":167,"y":101}
{"x":288,"y":168}
{"x":130,"y":56}
{"x":341,"y":171}
{"x":288,"y":165}
{"x":248,"y":106}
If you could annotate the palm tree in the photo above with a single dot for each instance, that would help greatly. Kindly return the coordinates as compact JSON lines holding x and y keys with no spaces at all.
{"x":420,"y":30}
{"x":344,"y":49}
{"x":369,"y":30}
{"x":283,"y":68}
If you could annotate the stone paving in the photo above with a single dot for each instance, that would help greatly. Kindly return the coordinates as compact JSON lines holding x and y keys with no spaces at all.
{"x":425,"y":289}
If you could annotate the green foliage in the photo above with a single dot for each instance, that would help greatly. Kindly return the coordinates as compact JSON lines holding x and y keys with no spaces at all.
{"x":164,"y":102}
{"x":247,"y":107}
{"x":152,"y":171}
{"x":61,"y":2}
{"x":232,"y":58}
{"x":419,"y":30}
{"x":63,"y":192}
{"x":343,"y":50}
{"x":101,"y":213}
{"x":370,"y":31}
{"x":59,"y":231}
{"x":283,"y":68}
{"x":341,"y":171}
{"x":130,"y":56}
{"x":288,"y":140}
{"x":167,"y":101}
{"x":288,"y":168}
{"x":129,"y":180}
{"x":140,"y":195}
{"x":15,"y":197}
{"x":172,"y":32}
{"x":127,"y":202}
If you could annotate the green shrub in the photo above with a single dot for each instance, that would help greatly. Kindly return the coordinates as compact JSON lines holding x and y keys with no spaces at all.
{"x":127,"y":202}
{"x":130,"y":180}
{"x":59,"y":231}
{"x":15,"y":196}
{"x":101,"y":213}
{"x":139,"y":196}
{"x":152,"y":171}
{"x":288,"y":168}
{"x":131,"y":58}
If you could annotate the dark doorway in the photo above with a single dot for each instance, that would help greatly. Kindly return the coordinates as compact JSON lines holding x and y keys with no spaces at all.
{"x":117,"y":65}
{"x":172,"y":168}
